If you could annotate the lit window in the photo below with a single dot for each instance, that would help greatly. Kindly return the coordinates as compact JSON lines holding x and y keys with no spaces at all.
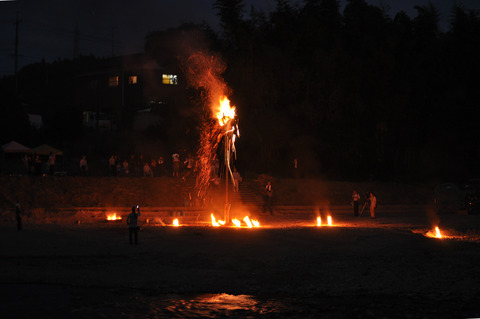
{"x":169,"y":79}
{"x":132,"y":79}
{"x":113,"y":81}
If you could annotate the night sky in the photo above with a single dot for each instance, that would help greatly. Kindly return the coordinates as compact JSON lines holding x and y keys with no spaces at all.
{"x":47,"y":26}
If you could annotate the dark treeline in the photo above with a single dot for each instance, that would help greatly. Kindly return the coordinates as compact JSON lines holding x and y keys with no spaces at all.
{"x":355,"y":94}
{"x":352,"y":93}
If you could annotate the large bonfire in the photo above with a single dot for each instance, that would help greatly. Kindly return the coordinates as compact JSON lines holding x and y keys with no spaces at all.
{"x":204,"y":73}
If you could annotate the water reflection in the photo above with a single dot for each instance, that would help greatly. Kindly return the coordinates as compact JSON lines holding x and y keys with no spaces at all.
{"x":213,"y":305}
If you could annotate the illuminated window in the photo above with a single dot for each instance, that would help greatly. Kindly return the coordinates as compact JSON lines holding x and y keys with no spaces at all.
{"x":169,"y":79}
{"x":113,"y":81}
{"x":132,"y":79}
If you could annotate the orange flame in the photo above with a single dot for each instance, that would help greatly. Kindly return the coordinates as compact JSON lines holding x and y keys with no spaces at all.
{"x":329,"y":220}
{"x":255,"y":223}
{"x":225,"y":112}
{"x":437,"y":233}
{"x":236,"y":222}
{"x":175,"y":222}
{"x":319,"y":221}
{"x":248,"y":222}
{"x":113,"y":217}
{"x":216,"y":223}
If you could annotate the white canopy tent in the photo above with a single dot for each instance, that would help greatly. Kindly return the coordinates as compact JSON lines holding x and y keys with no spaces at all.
{"x":15,"y":147}
{"x":45,"y":149}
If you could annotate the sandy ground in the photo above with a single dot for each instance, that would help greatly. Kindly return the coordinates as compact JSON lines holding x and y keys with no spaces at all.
{"x":360,"y":268}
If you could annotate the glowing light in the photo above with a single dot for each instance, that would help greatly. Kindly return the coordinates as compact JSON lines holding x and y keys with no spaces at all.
{"x":255,"y":223}
{"x":216,"y":223}
{"x":113,"y":217}
{"x":236,"y":222}
{"x":175,"y":222}
{"x":437,"y":233}
{"x":225,"y":112}
{"x":329,"y":220}
{"x":319,"y":221}
{"x":248,"y":222}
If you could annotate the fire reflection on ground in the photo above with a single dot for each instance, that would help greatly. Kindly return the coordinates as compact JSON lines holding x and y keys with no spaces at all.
{"x":212,"y":305}
{"x":437,"y":233}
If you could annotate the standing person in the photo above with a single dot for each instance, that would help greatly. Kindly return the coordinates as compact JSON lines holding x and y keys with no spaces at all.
{"x":132,"y":221}
{"x":113,"y":165}
{"x":161,"y":166}
{"x":267,"y":196}
{"x":176,"y":164}
{"x":295,"y":168}
{"x":147,"y":170}
{"x":51,"y":164}
{"x":26,"y":163}
{"x":373,"y":205}
{"x":355,"y":199}
{"x":153,"y":166}
{"x":18,"y":216}
{"x":189,"y":165}
{"x":83,"y":165}
{"x":38,"y":166}
{"x":125,"y":167}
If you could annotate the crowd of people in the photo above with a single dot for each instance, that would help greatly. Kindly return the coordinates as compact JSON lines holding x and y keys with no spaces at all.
{"x":34,"y":165}
{"x":370,"y":202}
{"x":138,"y":166}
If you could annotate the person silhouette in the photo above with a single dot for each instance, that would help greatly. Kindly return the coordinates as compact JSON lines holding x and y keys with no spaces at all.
{"x":132,"y":221}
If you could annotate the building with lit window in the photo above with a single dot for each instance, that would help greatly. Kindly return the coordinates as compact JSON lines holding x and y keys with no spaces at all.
{"x":113,"y":91}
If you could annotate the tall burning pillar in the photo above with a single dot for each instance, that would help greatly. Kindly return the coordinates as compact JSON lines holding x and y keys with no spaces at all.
{"x":203,"y":71}
{"x":226,"y":118}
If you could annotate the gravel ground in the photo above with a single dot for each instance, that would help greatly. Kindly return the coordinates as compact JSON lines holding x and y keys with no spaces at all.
{"x":359,"y":268}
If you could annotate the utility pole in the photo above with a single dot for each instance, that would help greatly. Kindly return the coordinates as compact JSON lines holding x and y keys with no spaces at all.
{"x":17,"y":23}
{"x":113,"y":42}
{"x":76,"y":42}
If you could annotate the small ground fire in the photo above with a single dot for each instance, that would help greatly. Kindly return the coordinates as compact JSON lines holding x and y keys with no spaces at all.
{"x":329,"y":221}
{"x":113,"y":217}
{"x":436,"y":233}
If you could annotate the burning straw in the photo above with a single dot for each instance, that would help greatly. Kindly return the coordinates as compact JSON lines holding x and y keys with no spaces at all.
{"x":204,"y":73}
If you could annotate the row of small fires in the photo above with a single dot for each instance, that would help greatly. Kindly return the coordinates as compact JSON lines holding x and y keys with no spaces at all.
{"x":252,"y":223}
{"x":247,"y":221}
